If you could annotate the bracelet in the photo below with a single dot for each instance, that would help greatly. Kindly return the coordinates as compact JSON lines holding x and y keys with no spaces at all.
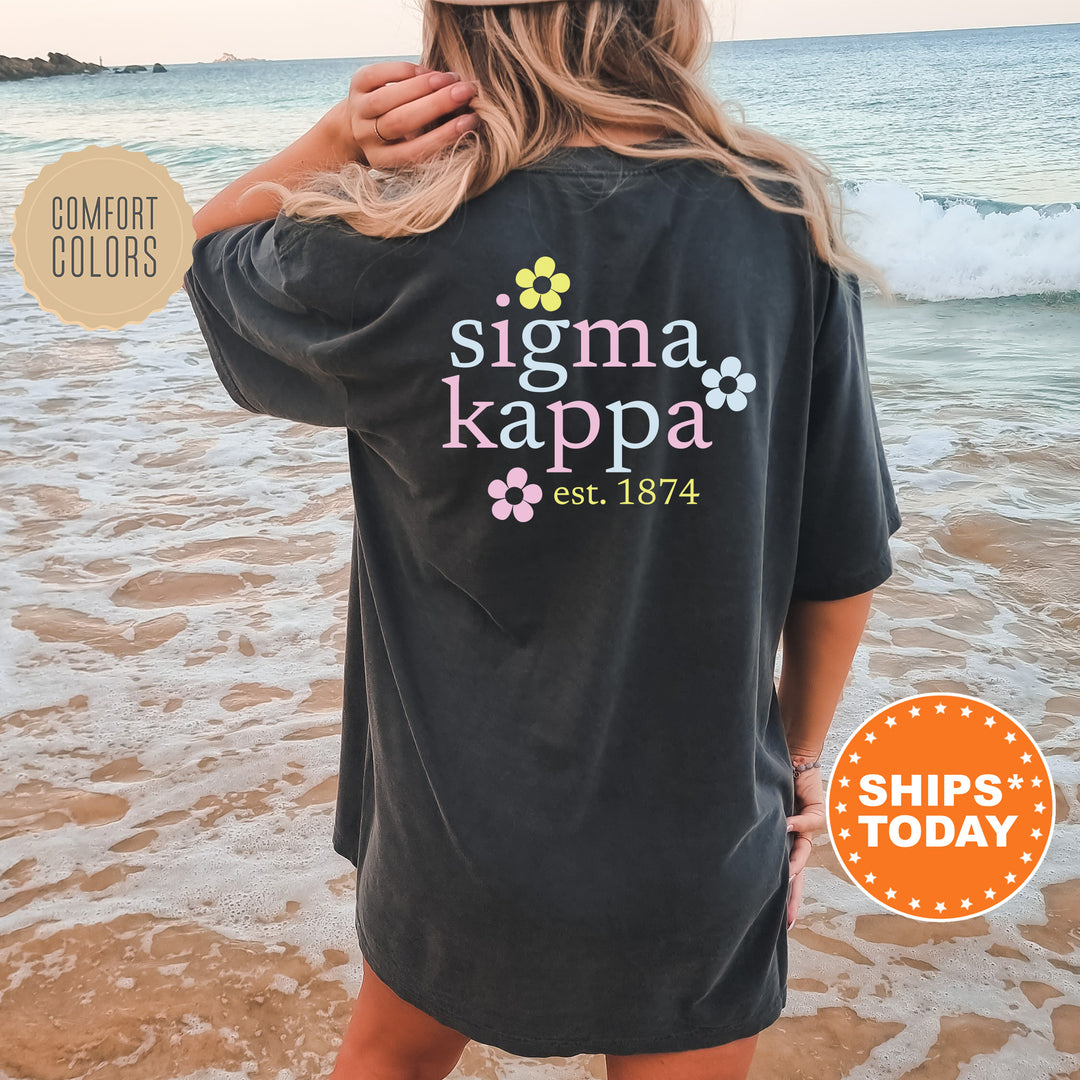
{"x":796,"y":769}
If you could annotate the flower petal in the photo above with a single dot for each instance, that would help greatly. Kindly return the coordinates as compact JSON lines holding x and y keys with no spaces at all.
{"x":532,"y":492}
{"x":497,"y":489}
{"x":730,"y":366}
{"x":517,"y":477}
{"x":523,"y":511}
{"x":530,"y":298}
{"x":560,"y":282}
{"x":746,"y":382}
{"x":736,"y":400}
{"x":715,"y":399}
{"x":551,"y":300}
{"x":545,"y":266}
{"x":501,"y":509}
{"x":525,"y":278}
{"x":710,"y":377}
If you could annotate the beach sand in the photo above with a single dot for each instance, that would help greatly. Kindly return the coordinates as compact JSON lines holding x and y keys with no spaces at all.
{"x":170,"y":903}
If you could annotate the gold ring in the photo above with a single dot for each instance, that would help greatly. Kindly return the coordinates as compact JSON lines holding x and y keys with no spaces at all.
{"x":379,"y":133}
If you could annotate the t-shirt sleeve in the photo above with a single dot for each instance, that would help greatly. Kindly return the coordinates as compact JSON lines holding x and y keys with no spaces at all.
{"x":848,"y":509}
{"x":244,"y":284}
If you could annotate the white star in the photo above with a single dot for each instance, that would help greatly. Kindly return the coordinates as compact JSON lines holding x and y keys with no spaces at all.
{"x":890,"y":894}
{"x":965,"y":711}
{"x":870,"y":879}
{"x":854,"y":757}
{"x":1036,"y":781}
{"x":870,"y":736}
{"x":990,"y":721}
{"x":891,"y":721}
{"x":1039,"y":807}
{"x":1025,"y":758}
{"x":1026,"y":857}
{"x":914,"y":710}
{"x":939,"y":906}
{"x":1011,"y":737}
{"x":1036,"y":833}
{"x":844,"y":781}
{"x":841,"y":807}
{"x":844,"y":834}
{"x":939,"y":708}
{"x":913,"y":903}
{"x":965,"y":903}
{"x":1010,"y":878}
{"x":854,"y":856}
{"x":990,"y":894}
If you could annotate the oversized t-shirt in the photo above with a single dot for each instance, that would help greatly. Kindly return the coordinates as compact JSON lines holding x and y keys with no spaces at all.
{"x":603,"y":425}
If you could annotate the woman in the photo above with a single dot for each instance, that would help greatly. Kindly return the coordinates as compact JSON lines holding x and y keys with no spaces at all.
{"x":597,"y":349}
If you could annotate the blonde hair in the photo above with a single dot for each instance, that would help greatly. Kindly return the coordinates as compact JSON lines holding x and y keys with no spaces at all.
{"x":549,"y":72}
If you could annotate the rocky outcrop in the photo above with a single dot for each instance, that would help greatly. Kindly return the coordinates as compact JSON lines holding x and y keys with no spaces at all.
{"x":14,"y":67}
{"x":228,"y":58}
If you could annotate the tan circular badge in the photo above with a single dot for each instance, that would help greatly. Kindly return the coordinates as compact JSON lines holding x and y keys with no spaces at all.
{"x":103,"y":237}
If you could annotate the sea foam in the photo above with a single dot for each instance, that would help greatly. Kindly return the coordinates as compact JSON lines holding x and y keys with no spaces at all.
{"x":933,"y":247}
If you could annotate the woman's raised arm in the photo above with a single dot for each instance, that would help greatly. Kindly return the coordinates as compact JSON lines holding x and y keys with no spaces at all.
{"x":404,"y":97}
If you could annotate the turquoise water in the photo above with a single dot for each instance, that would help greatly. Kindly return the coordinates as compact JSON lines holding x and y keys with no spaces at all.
{"x":981,"y":114}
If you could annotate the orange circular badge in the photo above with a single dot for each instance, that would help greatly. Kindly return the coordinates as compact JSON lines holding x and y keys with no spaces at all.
{"x":940,"y":807}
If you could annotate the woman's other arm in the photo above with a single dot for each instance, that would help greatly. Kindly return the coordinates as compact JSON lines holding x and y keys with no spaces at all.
{"x":819,"y":639}
{"x":403,"y":96}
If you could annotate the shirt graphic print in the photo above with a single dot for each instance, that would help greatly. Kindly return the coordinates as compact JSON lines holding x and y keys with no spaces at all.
{"x":573,"y":425}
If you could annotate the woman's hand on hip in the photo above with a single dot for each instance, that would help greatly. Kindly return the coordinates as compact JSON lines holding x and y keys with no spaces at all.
{"x":418,"y":111}
{"x":807,"y":821}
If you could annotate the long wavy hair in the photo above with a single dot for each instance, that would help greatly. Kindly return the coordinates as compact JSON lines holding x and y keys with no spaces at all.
{"x":553,"y":71}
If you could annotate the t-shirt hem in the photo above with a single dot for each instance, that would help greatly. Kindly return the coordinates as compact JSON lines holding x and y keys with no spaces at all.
{"x":565,"y":1044}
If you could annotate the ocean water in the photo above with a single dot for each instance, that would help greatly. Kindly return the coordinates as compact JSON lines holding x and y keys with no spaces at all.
{"x":175,"y":571}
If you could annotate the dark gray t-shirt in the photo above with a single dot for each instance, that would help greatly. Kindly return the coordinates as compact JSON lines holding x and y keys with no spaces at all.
{"x":603,"y":425}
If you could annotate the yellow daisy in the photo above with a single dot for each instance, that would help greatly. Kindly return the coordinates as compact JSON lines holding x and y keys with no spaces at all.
{"x":551,"y":284}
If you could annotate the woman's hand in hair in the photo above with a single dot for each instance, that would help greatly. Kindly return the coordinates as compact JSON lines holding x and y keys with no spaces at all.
{"x":419,"y":112}
{"x":416,"y":110}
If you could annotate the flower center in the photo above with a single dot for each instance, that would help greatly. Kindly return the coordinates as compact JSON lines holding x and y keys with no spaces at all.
{"x":728,"y":384}
{"x":514,"y":495}
{"x":546,"y":286}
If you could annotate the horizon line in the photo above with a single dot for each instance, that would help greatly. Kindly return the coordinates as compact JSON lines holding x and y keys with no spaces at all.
{"x":715,"y":41}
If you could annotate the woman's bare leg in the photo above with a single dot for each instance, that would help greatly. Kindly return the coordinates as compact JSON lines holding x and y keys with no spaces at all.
{"x":728,"y":1062}
{"x":389,"y":1039}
